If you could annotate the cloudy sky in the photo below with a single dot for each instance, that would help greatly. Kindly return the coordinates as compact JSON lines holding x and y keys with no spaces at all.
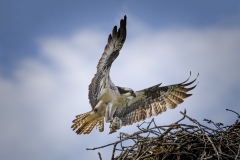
{"x":49,"y":51}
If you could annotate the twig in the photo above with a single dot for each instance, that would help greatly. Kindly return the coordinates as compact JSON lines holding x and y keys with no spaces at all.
{"x":238,"y":152}
{"x":196,"y":122}
{"x":179,"y":141}
{"x":233,"y":112}
{"x":113,"y":152}
{"x":99,"y":154}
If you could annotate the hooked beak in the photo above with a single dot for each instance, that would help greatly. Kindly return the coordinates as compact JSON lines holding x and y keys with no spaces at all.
{"x":133,"y":94}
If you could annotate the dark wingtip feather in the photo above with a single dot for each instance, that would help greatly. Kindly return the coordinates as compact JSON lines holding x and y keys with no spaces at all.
{"x":118,"y":33}
{"x":187,"y":84}
{"x":109,"y":38}
{"x":125,"y":20}
{"x":191,"y":88}
{"x":188,"y":95}
{"x":154,"y":87}
{"x":187,"y":79}
{"x":114,"y":31}
{"x":121,"y":23}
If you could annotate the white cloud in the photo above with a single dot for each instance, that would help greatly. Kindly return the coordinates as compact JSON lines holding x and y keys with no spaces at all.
{"x":44,"y":94}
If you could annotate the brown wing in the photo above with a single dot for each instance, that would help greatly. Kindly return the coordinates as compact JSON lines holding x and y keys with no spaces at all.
{"x":154,"y":101}
{"x":111,"y":51}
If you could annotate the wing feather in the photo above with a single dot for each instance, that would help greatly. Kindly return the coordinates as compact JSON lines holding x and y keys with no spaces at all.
{"x":153,"y":101}
{"x":111,"y":51}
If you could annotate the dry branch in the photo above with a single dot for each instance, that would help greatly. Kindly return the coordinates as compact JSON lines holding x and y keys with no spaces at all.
{"x":179,"y":141}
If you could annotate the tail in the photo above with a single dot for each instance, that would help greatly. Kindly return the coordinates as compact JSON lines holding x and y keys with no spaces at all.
{"x":84,"y":123}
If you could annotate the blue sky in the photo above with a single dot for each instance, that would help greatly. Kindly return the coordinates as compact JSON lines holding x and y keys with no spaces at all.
{"x":49,"y":51}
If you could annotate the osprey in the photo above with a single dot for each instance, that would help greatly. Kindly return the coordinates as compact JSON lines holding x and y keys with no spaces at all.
{"x":122,"y":106}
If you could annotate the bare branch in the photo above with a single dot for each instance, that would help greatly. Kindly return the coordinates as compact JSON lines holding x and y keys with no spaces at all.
{"x":179,"y":141}
{"x":99,"y":154}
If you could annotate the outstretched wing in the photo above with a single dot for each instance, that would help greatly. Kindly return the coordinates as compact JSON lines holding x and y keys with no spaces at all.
{"x":153,"y":101}
{"x":111,"y":51}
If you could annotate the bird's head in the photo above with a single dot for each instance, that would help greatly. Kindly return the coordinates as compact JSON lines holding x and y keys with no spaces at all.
{"x":126,"y":91}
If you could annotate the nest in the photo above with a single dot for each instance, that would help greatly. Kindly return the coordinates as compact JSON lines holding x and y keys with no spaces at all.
{"x":179,"y":141}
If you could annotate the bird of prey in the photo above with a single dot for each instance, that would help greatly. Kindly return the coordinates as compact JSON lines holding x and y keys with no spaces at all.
{"x":122,"y":106}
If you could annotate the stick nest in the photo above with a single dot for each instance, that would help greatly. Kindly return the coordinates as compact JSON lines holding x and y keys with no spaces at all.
{"x":179,"y":141}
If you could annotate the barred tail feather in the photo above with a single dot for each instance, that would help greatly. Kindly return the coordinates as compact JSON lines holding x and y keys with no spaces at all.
{"x":84,"y":123}
{"x":87,"y":127}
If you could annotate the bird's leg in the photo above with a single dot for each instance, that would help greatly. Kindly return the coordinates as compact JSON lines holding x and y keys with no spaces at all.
{"x":115,"y":125}
{"x":108,"y":113}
